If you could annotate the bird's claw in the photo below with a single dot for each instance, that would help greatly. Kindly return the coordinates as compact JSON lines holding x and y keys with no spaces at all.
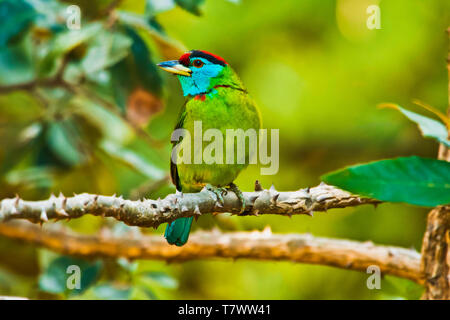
{"x":238,"y":194}
{"x":218,"y":193}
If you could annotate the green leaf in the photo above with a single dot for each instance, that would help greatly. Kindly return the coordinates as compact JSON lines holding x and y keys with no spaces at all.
{"x":63,"y":43}
{"x":430,"y":128}
{"x":153,"y":7}
{"x":136,"y":71}
{"x":110,"y":292}
{"x":16,"y":62}
{"x":111,"y":126}
{"x":51,"y":15}
{"x":168,"y":48}
{"x":68,"y":40}
{"x":134,"y":160}
{"x":131,"y":267}
{"x":436,"y":112}
{"x":15,"y":17}
{"x":61,"y":141}
{"x":161,"y":278}
{"x":54,"y":279}
{"x":146,"y":69}
{"x":31,"y":177}
{"x":414,"y":180}
{"x":191,"y":6}
{"x":105,"y":50}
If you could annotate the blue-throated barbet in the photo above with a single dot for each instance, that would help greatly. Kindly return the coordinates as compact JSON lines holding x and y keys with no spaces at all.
{"x":215,"y":96}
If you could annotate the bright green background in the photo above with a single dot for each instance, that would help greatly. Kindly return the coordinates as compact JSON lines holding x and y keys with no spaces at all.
{"x":317,"y":74}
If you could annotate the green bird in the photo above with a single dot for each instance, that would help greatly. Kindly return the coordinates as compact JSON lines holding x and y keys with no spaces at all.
{"x":215,"y":96}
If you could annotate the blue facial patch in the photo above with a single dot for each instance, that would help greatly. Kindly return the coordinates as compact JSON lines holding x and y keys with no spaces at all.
{"x":200,"y":80}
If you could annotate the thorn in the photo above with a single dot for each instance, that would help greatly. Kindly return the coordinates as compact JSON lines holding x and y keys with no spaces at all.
{"x":17,"y":200}
{"x":308,"y":190}
{"x":275,"y":198}
{"x":61,"y":212}
{"x":179,"y":193}
{"x":256,"y":212}
{"x":197,"y":211}
{"x":258,"y":186}
{"x":253,"y":199}
{"x":60,"y":195}
{"x":74,"y":194}
{"x":184,"y":209}
{"x":218,"y":204}
{"x":310,"y":213}
{"x":272,"y":188}
{"x":43,"y":216}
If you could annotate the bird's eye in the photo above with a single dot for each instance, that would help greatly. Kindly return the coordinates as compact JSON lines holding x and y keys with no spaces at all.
{"x":197,"y":63}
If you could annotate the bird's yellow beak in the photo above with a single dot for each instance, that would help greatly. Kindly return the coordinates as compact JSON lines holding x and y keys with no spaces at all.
{"x":175,"y":67}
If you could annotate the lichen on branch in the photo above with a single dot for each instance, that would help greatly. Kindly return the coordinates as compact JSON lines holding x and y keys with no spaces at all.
{"x":152,"y":213}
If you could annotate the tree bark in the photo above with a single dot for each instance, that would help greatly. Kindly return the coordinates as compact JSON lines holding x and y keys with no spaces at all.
{"x":435,"y":264}
{"x":301,"y":248}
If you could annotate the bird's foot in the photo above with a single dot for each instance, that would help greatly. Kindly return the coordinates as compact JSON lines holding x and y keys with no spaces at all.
{"x":217,"y":192}
{"x":238,"y":194}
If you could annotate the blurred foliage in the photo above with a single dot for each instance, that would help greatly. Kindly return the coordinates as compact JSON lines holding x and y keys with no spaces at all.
{"x":55,"y":278}
{"x":91,"y":113}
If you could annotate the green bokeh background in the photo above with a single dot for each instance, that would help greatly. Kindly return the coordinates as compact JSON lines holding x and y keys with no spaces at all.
{"x":317,"y":73}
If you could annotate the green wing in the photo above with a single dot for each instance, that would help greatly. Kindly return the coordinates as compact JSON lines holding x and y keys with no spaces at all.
{"x":173,"y":167}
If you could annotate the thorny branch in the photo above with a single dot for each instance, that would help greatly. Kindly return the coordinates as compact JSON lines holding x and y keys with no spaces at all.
{"x":152,"y":213}
{"x":304,"y":248}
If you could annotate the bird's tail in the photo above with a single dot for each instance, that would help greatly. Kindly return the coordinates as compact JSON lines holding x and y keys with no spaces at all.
{"x":178,"y":231}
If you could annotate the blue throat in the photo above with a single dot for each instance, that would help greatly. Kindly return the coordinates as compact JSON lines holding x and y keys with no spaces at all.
{"x":200,"y":81}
